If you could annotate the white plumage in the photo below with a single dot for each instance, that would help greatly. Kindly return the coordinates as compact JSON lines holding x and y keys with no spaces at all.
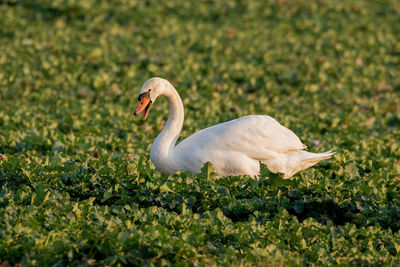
{"x":235,"y":147}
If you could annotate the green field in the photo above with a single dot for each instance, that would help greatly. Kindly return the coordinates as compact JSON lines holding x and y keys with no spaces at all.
{"x":77,"y":185}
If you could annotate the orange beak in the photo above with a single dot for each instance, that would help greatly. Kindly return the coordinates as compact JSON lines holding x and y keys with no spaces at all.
{"x":144,"y":104}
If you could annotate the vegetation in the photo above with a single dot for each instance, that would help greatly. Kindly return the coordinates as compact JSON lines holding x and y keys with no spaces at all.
{"x":77,"y":186}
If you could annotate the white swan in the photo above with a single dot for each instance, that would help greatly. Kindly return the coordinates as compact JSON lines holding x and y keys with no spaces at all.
{"x":233,"y":148}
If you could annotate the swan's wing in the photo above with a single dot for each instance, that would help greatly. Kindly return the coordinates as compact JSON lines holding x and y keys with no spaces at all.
{"x":258,"y":136}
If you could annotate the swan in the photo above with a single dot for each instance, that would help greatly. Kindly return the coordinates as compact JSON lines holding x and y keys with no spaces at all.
{"x":233,"y":148}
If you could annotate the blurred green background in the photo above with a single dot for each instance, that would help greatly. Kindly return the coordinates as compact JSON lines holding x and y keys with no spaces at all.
{"x":77,"y":186}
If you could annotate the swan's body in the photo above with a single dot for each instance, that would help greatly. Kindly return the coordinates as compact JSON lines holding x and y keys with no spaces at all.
{"x":233,"y":148}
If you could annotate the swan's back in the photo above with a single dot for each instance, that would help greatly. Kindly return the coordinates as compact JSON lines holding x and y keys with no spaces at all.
{"x":253,"y":135}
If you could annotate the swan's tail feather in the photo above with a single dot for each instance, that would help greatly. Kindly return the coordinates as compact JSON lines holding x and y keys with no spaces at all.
{"x":292,"y":163}
{"x":308,"y":160}
{"x":315,"y":157}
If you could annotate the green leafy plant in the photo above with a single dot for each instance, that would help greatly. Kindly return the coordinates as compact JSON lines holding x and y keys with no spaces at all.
{"x":77,"y":185}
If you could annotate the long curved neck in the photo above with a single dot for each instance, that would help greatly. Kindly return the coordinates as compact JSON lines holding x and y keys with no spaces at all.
{"x":165,"y":141}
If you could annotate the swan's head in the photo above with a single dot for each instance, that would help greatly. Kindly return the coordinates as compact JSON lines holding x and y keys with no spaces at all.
{"x":150,"y":90}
